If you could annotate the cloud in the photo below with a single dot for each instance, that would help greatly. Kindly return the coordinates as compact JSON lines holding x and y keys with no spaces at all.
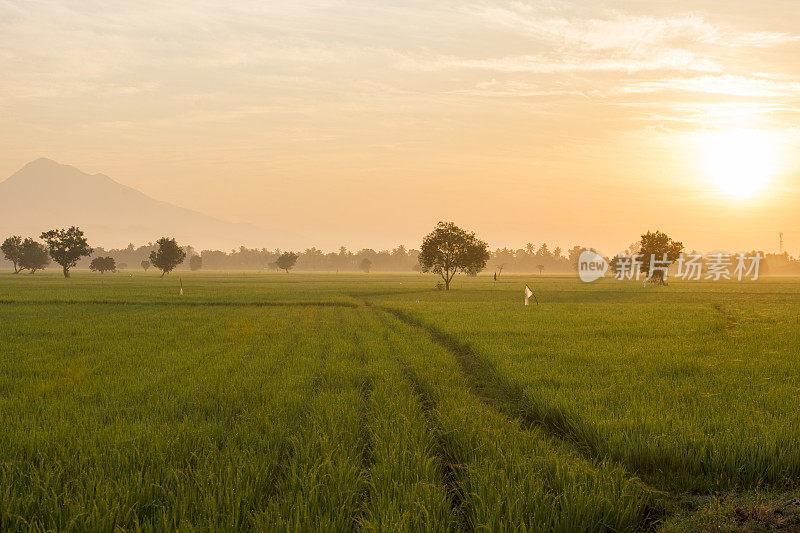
{"x":691,"y":116}
{"x":516,"y":89}
{"x":45,"y":86}
{"x":617,"y":32}
{"x":620,"y":31}
{"x":215,"y":62}
{"x":665,"y":60}
{"x":757,"y":39}
{"x":725,"y":84}
{"x":619,"y":42}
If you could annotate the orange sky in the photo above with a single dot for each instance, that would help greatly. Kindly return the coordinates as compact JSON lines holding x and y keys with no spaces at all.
{"x":363,"y":123}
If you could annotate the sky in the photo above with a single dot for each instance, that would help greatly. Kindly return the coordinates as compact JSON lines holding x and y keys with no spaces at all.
{"x":363,"y":123}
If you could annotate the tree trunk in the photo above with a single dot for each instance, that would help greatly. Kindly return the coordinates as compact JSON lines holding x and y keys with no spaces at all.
{"x":163,"y":272}
{"x":66,"y":271}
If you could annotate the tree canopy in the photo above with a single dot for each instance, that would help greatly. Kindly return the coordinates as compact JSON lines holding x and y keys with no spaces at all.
{"x":449,"y":249}
{"x":12,"y":250}
{"x":365,"y":265}
{"x":34,"y":256}
{"x":167,"y":256}
{"x":195,"y":262}
{"x":286,"y":261}
{"x":103,"y":265}
{"x":658,"y":252}
{"x":66,"y":246}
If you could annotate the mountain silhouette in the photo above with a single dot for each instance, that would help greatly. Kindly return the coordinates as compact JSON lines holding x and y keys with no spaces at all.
{"x":45,"y":194}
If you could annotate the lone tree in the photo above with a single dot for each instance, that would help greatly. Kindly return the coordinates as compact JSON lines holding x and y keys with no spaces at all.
{"x":286,"y":261}
{"x":449,"y":249}
{"x":34,"y":256}
{"x":195,"y":262}
{"x":12,"y":250}
{"x":66,"y":246}
{"x":103,"y":265}
{"x":540,"y":268}
{"x":365,"y":265}
{"x":145,"y":264}
{"x":658,"y":252}
{"x":167,"y":256}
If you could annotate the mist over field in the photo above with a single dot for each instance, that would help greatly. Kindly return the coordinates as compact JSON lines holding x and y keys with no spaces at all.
{"x":110,"y":212}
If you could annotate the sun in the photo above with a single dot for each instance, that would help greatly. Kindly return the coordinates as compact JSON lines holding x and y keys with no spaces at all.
{"x":740,"y":162}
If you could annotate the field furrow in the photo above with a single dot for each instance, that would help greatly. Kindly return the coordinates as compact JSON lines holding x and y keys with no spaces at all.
{"x":406,"y":482}
{"x":667,"y":402}
{"x":508,"y":475}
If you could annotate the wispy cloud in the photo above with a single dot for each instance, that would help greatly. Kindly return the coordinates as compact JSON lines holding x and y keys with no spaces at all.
{"x":666,"y":60}
{"x":757,"y":39}
{"x":516,"y":89}
{"x":726,"y":84}
{"x":618,"y":32}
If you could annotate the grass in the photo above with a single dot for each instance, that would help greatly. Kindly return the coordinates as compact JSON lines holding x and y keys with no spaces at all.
{"x":686,"y":396}
{"x":349,"y":401}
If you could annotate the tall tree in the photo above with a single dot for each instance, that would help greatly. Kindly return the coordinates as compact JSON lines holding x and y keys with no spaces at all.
{"x":658,"y":251}
{"x":574,"y":255}
{"x":66,"y":247}
{"x":449,"y":249}
{"x":286,"y":261}
{"x":195,"y":262}
{"x":167,"y":256}
{"x":544,"y":251}
{"x":103,"y":265}
{"x":12,"y":250}
{"x":34,"y":256}
{"x":365,"y":265}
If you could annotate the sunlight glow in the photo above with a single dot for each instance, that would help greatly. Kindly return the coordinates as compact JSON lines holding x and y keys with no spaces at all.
{"x":740,"y":162}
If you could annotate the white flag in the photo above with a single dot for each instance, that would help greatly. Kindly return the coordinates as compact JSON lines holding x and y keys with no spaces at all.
{"x":528,"y":294}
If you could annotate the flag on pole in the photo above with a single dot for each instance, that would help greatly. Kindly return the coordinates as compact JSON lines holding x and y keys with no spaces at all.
{"x":528,"y":294}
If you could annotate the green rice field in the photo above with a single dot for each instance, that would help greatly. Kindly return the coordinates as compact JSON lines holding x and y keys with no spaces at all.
{"x":341,"y":402}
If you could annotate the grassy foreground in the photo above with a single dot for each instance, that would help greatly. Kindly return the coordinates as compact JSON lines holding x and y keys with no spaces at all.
{"x":339,"y":401}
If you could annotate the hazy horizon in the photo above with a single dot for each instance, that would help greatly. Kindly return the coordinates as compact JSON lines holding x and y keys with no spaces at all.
{"x":363,"y":124}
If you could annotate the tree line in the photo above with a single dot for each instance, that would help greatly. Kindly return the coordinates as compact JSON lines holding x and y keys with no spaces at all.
{"x":67,"y":246}
{"x":539,"y":258}
{"x":461,"y":250}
